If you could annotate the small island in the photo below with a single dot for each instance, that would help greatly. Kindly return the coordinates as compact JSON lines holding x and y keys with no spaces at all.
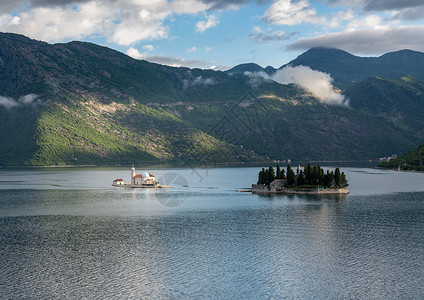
{"x":310,"y":180}
{"x":145,"y":180}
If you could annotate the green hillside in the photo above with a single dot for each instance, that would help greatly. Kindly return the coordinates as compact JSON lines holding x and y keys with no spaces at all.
{"x":411,"y":161}
{"x":399,"y":102}
{"x":98,"y":106}
{"x":83,"y":104}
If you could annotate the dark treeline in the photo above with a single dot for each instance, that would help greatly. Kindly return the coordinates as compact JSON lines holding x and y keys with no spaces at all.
{"x":310,"y":176}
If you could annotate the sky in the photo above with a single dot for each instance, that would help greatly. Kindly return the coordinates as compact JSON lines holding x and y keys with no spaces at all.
{"x":219,"y":34}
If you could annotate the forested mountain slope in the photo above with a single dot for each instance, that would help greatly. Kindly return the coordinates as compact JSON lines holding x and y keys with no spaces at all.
{"x":79,"y":103}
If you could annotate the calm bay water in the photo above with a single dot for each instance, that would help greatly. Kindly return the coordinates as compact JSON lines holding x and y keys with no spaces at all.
{"x":66,"y":233}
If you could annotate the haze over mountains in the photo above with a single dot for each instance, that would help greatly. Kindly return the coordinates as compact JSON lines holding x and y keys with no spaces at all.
{"x":79,"y":103}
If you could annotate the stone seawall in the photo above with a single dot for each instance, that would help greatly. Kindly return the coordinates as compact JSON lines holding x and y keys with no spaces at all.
{"x":278,"y":189}
{"x":315,"y":191}
{"x":261,"y":189}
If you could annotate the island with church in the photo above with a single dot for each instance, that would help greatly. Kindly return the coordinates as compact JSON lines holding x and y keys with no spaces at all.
{"x":144,"y":180}
{"x":310,"y":180}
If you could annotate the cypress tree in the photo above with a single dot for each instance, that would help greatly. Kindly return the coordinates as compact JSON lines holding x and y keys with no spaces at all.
{"x":315,"y":175}
{"x":343,"y":181}
{"x":326,"y":179}
{"x":331,"y":179}
{"x":308,"y":174}
{"x":266,"y":177}
{"x":271,"y":174}
{"x":337,"y":177}
{"x":278,"y":175}
{"x":290,"y":176}
{"x":321,"y":176}
{"x":300,"y":178}
{"x":261,"y":176}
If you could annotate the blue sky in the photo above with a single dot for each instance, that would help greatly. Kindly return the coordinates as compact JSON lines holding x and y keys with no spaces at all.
{"x":220,"y":34}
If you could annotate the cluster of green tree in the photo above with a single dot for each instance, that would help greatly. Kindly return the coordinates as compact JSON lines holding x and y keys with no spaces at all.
{"x":311,"y":176}
{"x":411,"y":161}
{"x":266,"y":176}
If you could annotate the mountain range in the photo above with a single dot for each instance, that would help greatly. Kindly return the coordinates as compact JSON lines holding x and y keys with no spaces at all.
{"x":82,"y":104}
{"x":347,"y":69}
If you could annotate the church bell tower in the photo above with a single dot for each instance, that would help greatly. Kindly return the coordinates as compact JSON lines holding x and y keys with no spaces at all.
{"x":133,"y":175}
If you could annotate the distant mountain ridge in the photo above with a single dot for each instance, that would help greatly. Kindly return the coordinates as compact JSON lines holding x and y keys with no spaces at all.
{"x":79,"y":103}
{"x":250,"y":67}
{"x":347,"y":69}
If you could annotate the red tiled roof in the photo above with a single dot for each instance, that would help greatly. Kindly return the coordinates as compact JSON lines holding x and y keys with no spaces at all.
{"x":150,"y":174}
{"x":120,"y":179}
{"x":138,"y":176}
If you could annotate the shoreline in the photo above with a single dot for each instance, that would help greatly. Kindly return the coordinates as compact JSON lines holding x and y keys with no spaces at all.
{"x":195,"y":164}
{"x":397,"y":170}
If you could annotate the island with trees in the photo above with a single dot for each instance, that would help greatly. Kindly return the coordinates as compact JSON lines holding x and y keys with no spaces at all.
{"x":310,"y":180}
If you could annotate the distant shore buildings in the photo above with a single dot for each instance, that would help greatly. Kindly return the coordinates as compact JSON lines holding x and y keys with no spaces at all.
{"x":388,"y":158}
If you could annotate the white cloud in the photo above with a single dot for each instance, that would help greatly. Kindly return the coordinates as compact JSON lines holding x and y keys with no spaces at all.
{"x":229,"y":4}
{"x":15,"y":20}
{"x":410,"y":14}
{"x":192,"y":49}
{"x":351,"y":3}
{"x":176,"y":61}
{"x":9,"y":102}
{"x":198,"y":81}
{"x":373,"y":41}
{"x":134,"y":53}
{"x":401,"y":9}
{"x":384,"y":5}
{"x":341,"y":17}
{"x":123,"y":22}
{"x":256,"y":78}
{"x":148,"y":48}
{"x":55,"y":24}
{"x":288,"y":12}
{"x":189,"y":6}
{"x":377,"y":5}
{"x":211,"y":21}
{"x":371,"y":21}
{"x":181,"y":62}
{"x":316,"y":82}
{"x":141,"y":24}
{"x":260,"y":36}
{"x":28,"y":99}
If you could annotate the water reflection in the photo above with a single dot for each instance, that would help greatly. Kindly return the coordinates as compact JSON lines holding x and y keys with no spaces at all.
{"x":124,"y":243}
{"x":306,"y":198}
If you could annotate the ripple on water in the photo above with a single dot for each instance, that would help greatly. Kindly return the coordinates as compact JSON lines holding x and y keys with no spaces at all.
{"x":363,"y":247}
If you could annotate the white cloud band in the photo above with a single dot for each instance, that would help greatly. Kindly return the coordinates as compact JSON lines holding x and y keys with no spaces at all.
{"x":368,"y":41}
